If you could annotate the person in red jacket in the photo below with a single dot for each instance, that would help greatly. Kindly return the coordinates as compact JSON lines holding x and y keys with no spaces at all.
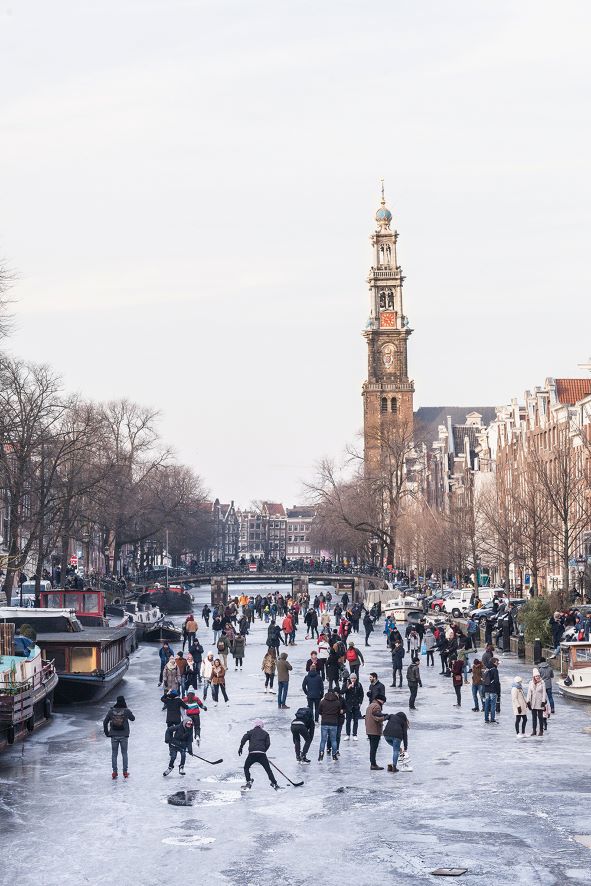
{"x":288,"y":629}
{"x":457,"y":678}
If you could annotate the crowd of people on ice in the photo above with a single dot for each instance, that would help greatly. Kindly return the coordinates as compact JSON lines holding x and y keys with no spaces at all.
{"x":331,"y":682}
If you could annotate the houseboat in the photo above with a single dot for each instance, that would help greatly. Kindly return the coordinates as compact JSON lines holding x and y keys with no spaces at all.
{"x":90,"y":661}
{"x":89,"y":608}
{"x":173,"y":600}
{"x":402,"y":607}
{"x":27,"y":685}
{"x":575,"y":679}
{"x":163,"y":630}
{"x":143,"y":616}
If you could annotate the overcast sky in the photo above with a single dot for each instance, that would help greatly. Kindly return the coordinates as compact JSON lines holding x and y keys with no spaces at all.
{"x":187,"y":190}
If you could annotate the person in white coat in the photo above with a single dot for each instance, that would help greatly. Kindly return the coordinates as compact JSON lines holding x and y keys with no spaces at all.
{"x":537,"y":700}
{"x":519,"y":703}
{"x":206,"y":668}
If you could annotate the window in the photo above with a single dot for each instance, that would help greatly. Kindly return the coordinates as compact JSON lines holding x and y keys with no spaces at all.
{"x":58,"y":656}
{"x":394,"y":405}
{"x":384,"y":404}
{"x":83,"y":659}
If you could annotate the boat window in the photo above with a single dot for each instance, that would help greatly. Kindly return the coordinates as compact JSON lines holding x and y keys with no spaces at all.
{"x":90,"y":602}
{"x":58,"y":656}
{"x":83,"y":660}
{"x":71,"y":601}
{"x":53,"y":601}
{"x":584,"y":655}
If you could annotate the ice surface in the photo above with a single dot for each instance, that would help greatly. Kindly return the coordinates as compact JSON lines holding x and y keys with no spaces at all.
{"x":504,"y":808}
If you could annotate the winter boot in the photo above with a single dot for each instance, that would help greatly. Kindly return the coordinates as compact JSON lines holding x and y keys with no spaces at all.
{"x":335,"y":757}
{"x":305,"y":760}
{"x":169,"y":770}
{"x":114,"y":775}
{"x":248,"y":785}
{"x":321,"y":756}
{"x":126,"y":775}
{"x":182,"y":769}
{"x":275,"y":786}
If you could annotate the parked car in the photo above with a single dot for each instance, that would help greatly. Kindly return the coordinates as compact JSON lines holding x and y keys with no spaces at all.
{"x":438,"y":600}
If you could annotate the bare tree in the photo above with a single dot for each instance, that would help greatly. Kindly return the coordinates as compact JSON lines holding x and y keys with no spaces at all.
{"x":6,"y":281}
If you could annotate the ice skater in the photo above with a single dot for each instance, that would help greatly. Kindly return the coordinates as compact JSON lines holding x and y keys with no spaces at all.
{"x":259,"y":743}
{"x":116,"y":727}
{"x":180,"y":740}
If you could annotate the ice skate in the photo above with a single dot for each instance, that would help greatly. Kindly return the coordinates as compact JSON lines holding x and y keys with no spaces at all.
{"x":168,"y":771}
{"x":182,"y":769}
{"x":248,"y":785}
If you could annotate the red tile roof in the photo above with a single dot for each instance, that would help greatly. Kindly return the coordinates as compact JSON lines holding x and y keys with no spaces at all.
{"x":571,"y":390}
{"x":274,"y":509}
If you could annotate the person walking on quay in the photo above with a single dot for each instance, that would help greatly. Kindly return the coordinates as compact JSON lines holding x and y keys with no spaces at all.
{"x":171,"y":678}
{"x":283,"y":669}
{"x":116,"y":727}
{"x":218,"y":681}
{"x":397,"y":659}
{"x":164,"y":654}
{"x":519,"y":703}
{"x":457,"y":679}
{"x":238,"y":647}
{"x":179,"y":739}
{"x":473,"y":632}
{"x":206,"y":670}
{"x":353,"y":699}
{"x":413,"y":678}
{"x":331,"y":708}
{"x":492,"y":690}
{"x":223,"y":647}
{"x":547,"y":674}
{"x":259,"y":743}
{"x":374,"y":728}
{"x":173,"y":704}
{"x":429,"y":641}
{"x":194,"y":708}
{"x":313,"y":688}
{"x":477,"y":687}
{"x":205,"y":613}
{"x":268,"y":668}
{"x":302,"y":730}
{"x":354,"y":658}
{"x":367,"y":627}
{"x":537,"y":699}
{"x":375,"y":688}
{"x":396,"y":728}
{"x":190,"y":628}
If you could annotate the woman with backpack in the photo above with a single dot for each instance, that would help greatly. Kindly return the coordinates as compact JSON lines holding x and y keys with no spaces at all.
{"x":354,"y":658}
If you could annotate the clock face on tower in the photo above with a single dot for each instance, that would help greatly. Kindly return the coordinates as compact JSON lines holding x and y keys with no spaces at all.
{"x":388,"y":319}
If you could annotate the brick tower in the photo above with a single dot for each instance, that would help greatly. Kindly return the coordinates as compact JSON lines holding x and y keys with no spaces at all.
{"x":388,"y":391}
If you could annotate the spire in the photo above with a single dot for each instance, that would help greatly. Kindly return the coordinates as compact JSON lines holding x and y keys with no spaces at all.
{"x":383,"y":215}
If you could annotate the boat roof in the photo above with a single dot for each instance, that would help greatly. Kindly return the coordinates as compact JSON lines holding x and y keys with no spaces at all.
{"x":87,"y":635}
{"x":6,"y":612}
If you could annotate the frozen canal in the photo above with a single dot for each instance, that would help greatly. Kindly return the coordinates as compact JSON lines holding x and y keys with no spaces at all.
{"x":506,"y":809}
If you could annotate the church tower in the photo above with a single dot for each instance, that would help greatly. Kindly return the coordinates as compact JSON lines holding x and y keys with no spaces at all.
{"x":388,"y":391}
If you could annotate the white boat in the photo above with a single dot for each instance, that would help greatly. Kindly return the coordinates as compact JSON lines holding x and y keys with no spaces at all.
{"x":401,"y":607}
{"x":576,"y":662}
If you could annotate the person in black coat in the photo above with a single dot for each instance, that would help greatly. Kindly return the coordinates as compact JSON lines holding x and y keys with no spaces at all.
{"x":376,"y":689}
{"x":179,"y":738}
{"x":368,"y":626}
{"x":353,"y":699}
{"x":173,"y":704}
{"x":396,"y":728}
{"x":258,"y":744}
{"x":397,"y":661}
{"x":333,"y":667}
{"x":302,"y":729}
{"x":313,"y":688}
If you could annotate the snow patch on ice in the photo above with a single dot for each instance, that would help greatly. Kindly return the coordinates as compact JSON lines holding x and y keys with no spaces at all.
{"x":193,"y":842}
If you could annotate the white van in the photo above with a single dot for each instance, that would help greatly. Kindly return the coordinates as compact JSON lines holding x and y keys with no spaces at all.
{"x":487,"y":595}
{"x":459,"y":602}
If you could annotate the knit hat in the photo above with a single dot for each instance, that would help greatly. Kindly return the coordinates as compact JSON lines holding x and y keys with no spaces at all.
{"x":517,"y":680}
{"x":259,"y":723}
{"x":535,"y":673}
{"x":120,"y":703}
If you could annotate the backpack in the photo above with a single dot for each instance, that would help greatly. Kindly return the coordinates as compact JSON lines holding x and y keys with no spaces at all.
{"x":351,"y":655}
{"x":487,"y":677}
{"x":117,"y":719}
